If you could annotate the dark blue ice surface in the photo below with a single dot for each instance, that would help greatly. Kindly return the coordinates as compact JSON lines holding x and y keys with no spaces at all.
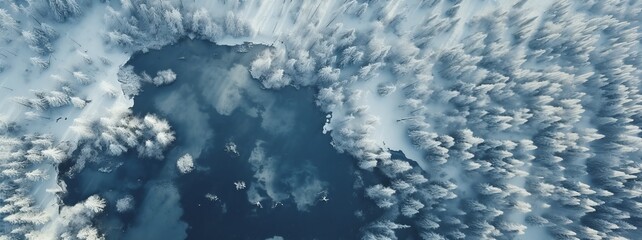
{"x":286,"y":122}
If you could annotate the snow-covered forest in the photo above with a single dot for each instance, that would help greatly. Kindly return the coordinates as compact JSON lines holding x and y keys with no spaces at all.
{"x":518,"y":119}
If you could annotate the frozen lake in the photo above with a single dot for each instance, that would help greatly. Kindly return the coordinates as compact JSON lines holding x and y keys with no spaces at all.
{"x":288,"y":165}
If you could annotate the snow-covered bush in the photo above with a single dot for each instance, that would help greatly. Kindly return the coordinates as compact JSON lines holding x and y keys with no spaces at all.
{"x":185,"y":164}
{"x":125,"y":203}
{"x":164,"y":77}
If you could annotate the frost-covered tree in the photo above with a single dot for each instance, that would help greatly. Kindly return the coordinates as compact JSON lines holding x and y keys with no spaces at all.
{"x":82,"y":77}
{"x":263,"y":68}
{"x":121,"y":131}
{"x":89,"y":233}
{"x":129,"y":80}
{"x":378,"y":49}
{"x":203,"y":24}
{"x":75,"y":221}
{"x":7,"y":22}
{"x":40,"y":62}
{"x":54,"y":98}
{"x":235,"y":26}
{"x":64,"y":9}
{"x":395,"y":167}
{"x":329,"y":74}
{"x":411,"y":207}
{"x":330,"y":98}
{"x":125,"y":203}
{"x":382,"y":230}
{"x":174,"y":20}
{"x":36,"y":175}
{"x":383,"y":196}
{"x":156,"y":23}
{"x":40,"y":38}
{"x":185,"y":164}
{"x":95,"y":204}
{"x":164,"y":77}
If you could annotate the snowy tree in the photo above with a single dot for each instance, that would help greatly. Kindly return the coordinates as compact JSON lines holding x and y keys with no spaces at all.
{"x":185,"y":164}
{"x":378,"y":49}
{"x":415,"y":178}
{"x":78,"y":102}
{"x":330,"y":98}
{"x":395,"y":167}
{"x":125,"y":204}
{"x":40,"y":38}
{"x":383,"y":196}
{"x":53,"y":98}
{"x":431,"y":236}
{"x":129,"y":80}
{"x":40,"y":63}
{"x":329,"y":74}
{"x":121,"y":131}
{"x":203,"y":24}
{"x":64,"y":9}
{"x":174,"y":20}
{"x":89,"y":233}
{"x":164,"y":77}
{"x":411,"y":207}
{"x":262,"y":68}
{"x":116,"y":37}
{"x":276,"y":79}
{"x":7,"y":21}
{"x":36,"y":175}
{"x":74,"y":221}
{"x":261,"y":65}
{"x":382,"y":230}
{"x":235,"y":26}
{"x":351,"y":55}
{"x":95,"y":204}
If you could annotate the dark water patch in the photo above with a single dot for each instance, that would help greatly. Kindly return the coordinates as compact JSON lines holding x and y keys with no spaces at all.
{"x":214,"y":102}
{"x":112,"y":178}
{"x":287,"y":164}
